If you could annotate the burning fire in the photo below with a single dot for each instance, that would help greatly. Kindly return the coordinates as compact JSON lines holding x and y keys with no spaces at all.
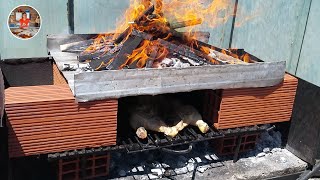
{"x":160,"y":18}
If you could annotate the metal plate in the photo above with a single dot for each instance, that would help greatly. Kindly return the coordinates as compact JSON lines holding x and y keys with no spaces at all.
{"x":89,"y":86}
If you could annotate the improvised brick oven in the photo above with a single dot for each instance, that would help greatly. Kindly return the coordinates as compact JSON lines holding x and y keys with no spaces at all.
{"x":79,"y":117}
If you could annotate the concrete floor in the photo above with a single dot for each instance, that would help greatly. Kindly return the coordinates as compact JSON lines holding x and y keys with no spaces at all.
{"x":277,"y":162}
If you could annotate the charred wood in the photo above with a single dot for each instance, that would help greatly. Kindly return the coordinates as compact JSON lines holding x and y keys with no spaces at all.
{"x":98,"y":55}
{"x":127,"y":32}
{"x":190,"y":53}
{"x":123,"y":35}
{"x":199,"y":35}
{"x":141,"y":34}
{"x":221,"y":54}
{"x":182,"y":24}
{"x":102,"y":62}
{"x":151,"y":58}
{"x":76,"y":46}
{"x":224,"y":57}
{"x":128,"y":46}
{"x":143,"y":15}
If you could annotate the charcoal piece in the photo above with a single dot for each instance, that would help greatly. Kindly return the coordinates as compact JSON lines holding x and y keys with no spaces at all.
{"x":128,"y":46}
{"x":151,"y":58}
{"x":133,"y":65}
{"x":181,"y":24}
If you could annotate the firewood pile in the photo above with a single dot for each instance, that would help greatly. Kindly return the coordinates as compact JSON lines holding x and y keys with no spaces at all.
{"x":150,"y":41}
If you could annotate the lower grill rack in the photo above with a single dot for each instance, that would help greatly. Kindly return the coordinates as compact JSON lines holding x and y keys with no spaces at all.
{"x":157,"y":141}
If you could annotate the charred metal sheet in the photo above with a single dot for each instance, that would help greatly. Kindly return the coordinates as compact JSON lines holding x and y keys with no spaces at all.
{"x":89,"y":86}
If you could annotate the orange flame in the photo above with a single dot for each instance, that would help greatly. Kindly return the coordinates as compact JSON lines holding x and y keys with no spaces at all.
{"x":212,"y":13}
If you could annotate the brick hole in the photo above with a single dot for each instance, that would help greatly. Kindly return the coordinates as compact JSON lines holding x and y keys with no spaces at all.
{"x":69,"y":176}
{"x":101,"y":161}
{"x":229,"y":141}
{"x":69,"y":167}
{"x":252,"y":138}
{"x":101,"y":171}
{"x":227,"y":150}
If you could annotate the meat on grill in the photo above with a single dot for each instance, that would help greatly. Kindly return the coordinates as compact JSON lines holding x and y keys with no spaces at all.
{"x":190,"y":116}
{"x":146,"y":118}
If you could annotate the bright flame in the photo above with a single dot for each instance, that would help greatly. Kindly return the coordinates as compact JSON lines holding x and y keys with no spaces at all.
{"x":211,"y":13}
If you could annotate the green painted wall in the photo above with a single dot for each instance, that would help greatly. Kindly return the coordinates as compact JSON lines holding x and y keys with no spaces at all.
{"x":54,"y":21}
{"x":309,"y":62}
{"x":98,"y":16}
{"x":272,"y":30}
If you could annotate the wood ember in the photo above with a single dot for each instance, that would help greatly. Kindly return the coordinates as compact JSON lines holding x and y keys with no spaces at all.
{"x":99,"y":55}
{"x":147,"y":12}
{"x":129,"y":45}
{"x":153,"y":55}
{"x":100,"y":64}
{"x":224,"y":57}
{"x":188,"y":52}
{"x":141,"y":34}
{"x":181,"y":24}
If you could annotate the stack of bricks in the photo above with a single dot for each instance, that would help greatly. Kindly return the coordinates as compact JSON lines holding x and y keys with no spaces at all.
{"x":234,"y":108}
{"x":47,"y":119}
{"x":227,"y":145}
{"x":57,"y":75}
{"x":87,"y":167}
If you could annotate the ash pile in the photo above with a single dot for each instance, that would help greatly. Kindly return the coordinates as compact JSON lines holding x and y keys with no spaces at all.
{"x":150,"y":41}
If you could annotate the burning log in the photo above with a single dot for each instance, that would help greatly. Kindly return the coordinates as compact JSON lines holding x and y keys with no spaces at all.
{"x":147,"y":12}
{"x":99,"y":56}
{"x":152,"y":56}
{"x":126,"y":33}
{"x":188,"y":52}
{"x":141,"y":34}
{"x":222,"y":57}
{"x":182,"y":24}
{"x":129,"y":45}
{"x":102,"y":62}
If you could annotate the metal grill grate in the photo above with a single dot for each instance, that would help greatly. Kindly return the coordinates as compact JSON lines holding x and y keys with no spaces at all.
{"x":156,"y":141}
